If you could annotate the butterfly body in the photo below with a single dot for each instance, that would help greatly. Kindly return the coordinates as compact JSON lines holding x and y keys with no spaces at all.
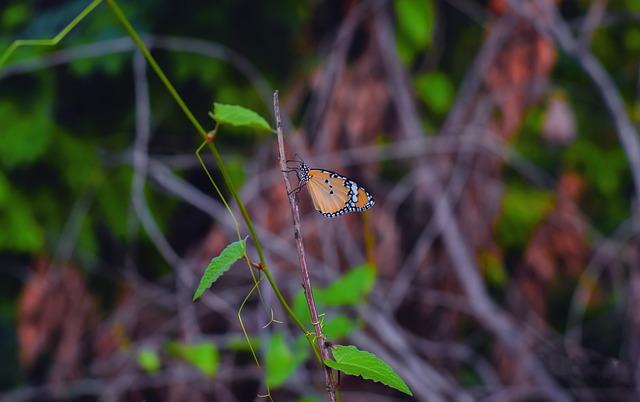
{"x":333,"y":194}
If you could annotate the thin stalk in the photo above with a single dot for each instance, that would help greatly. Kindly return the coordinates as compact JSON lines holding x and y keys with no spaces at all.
{"x":297,"y":229}
{"x":216,"y":155}
{"x":53,"y":41}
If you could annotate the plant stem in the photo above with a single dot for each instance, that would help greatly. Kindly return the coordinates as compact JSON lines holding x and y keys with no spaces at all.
{"x":53,"y":41}
{"x":216,"y":155}
{"x":297,"y":233}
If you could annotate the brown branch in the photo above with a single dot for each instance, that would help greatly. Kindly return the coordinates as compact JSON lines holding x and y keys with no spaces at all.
{"x":491,"y":316}
{"x":297,"y":234}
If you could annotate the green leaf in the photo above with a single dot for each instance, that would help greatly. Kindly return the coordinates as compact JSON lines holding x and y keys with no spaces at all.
{"x":281,"y":362}
{"x":25,"y":135}
{"x":14,"y":15}
{"x":300,"y":307}
{"x":632,"y":39}
{"x":523,"y":208}
{"x":416,"y":20}
{"x":436,"y":91}
{"x":5,"y":190}
{"x":149,"y":360}
{"x":603,"y":168}
{"x":240,"y":344}
{"x":203,"y":355}
{"x":188,"y":66}
{"x":21,"y":231}
{"x":339,"y":326}
{"x":632,"y":5}
{"x":239,"y":116}
{"x":78,"y":161}
{"x":308,"y":399}
{"x":236,"y":168}
{"x":112,"y":198}
{"x":220,"y":264}
{"x":352,"y":361}
{"x":350,"y":289}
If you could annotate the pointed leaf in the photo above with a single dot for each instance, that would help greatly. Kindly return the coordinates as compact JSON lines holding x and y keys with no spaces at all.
{"x":281,"y":361}
{"x":352,"y":361}
{"x":436,"y":90}
{"x":220,"y":264}
{"x":416,"y":19}
{"x":239,"y":116}
{"x":339,"y":326}
{"x":349,"y":289}
{"x":203,"y":356}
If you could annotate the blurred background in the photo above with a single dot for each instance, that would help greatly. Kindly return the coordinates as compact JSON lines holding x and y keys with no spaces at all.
{"x":499,"y":139}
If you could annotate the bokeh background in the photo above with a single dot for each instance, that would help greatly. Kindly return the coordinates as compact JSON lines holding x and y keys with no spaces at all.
{"x":499,"y":139}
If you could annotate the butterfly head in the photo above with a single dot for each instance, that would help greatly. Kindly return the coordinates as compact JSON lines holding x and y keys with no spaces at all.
{"x":302,"y":170}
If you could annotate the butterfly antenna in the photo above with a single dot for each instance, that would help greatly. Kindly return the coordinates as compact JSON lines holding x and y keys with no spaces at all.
{"x":298,"y":160}
{"x":297,"y":189}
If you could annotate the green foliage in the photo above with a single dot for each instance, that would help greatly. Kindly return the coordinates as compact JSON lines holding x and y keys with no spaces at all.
{"x":632,"y":39}
{"x":204,"y":356}
{"x":469,"y":376}
{"x":308,"y":399}
{"x":25,"y":134}
{"x":5,"y":190}
{"x":112,"y":199}
{"x":606,"y":173}
{"x":349,"y":290}
{"x":241,"y":345}
{"x":220,"y":264}
{"x":282,"y":362}
{"x":436,"y":91}
{"x":300,"y":307}
{"x":239,"y":116}
{"x":414,"y":28}
{"x":77,"y":161}
{"x":14,"y":15}
{"x":632,"y":5}
{"x":60,"y":147}
{"x":189,"y":66}
{"x":493,"y":269}
{"x":522,"y":210}
{"x":529,"y":141}
{"x":603,"y":168}
{"x":339,"y":326}
{"x":111,"y":65}
{"x":54,"y":151}
{"x":21,"y":231}
{"x":352,"y":361}
{"x":149,"y":360}
{"x":236,"y":168}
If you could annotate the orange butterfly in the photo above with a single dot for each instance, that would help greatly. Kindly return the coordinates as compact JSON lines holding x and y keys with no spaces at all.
{"x":332,"y":193}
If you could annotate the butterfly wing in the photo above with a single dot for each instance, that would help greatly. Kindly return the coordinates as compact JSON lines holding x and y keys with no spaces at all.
{"x":334,"y":194}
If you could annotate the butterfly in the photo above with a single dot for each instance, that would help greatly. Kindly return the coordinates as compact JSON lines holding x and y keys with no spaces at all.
{"x":332,"y":193}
